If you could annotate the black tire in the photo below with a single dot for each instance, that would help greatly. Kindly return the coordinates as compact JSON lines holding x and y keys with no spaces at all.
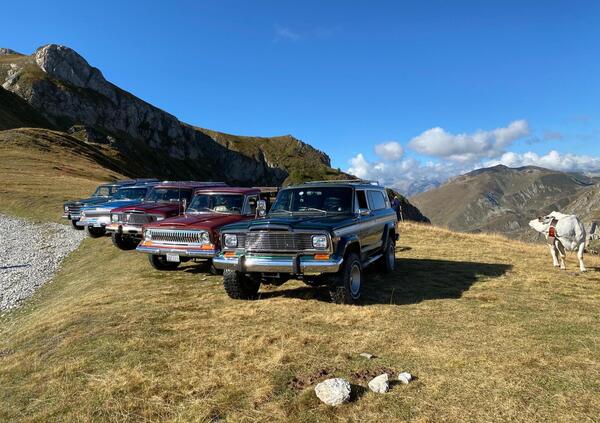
{"x":74,"y":223}
{"x":344,"y":287}
{"x":161,"y":263}
{"x":95,"y":232}
{"x":240,"y":287}
{"x":124,"y":243}
{"x":387,"y":263}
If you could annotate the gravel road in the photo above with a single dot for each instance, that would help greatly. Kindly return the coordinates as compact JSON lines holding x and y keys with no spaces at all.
{"x":30,"y":255}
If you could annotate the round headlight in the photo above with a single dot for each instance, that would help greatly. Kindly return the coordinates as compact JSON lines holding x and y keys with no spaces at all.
{"x":66,"y":208}
{"x":204,"y":238}
{"x":230,"y":240}
{"x":114,"y":217}
{"x":319,"y":241}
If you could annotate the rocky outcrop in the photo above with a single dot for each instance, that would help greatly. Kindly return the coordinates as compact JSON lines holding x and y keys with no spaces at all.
{"x":61,"y":85}
{"x":6,"y":51}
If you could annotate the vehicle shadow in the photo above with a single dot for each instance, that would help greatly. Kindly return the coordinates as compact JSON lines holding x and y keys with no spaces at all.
{"x":413,"y":281}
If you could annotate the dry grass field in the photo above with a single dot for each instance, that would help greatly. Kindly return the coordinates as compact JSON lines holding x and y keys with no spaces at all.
{"x":490,"y":329}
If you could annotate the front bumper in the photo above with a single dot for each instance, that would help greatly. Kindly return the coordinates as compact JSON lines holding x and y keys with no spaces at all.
{"x":96,"y":222}
{"x":182,"y":251}
{"x":120,"y":228}
{"x":295,"y":265}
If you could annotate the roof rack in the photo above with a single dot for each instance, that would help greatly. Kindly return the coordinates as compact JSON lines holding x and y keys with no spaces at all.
{"x":338,"y":181}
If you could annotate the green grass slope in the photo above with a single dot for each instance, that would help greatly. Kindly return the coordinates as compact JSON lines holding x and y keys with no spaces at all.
{"x":490,"y":329}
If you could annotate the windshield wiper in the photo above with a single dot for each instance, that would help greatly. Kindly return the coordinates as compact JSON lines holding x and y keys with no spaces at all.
{"x":281,"y":211}
{"x":313,"y":209}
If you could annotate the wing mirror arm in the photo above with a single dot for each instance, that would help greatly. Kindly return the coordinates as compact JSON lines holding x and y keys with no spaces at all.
{"x":364,"y":212}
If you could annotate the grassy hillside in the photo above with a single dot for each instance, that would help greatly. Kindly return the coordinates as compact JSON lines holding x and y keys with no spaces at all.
{"x":41,"y":168}
{"x":500,"y":199}
{"x":490,"y":329}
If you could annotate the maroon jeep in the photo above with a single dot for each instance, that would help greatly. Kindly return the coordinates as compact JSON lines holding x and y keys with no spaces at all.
{"x":195,"y":235}
{"x":165,"y":200}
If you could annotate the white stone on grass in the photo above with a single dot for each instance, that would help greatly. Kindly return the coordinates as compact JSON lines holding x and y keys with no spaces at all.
{"x":380,"y":384}
{"x":367,"y":355}
{"x":334,"y":391}
{"x":405,"y":377}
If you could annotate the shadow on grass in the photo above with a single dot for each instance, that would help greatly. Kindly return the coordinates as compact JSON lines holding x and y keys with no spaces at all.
{"x":414,"y":281}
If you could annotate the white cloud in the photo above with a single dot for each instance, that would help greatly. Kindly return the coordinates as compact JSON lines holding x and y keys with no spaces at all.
{"x":286,"y":33}
{"x":465,"y":147}
{"x":389,"y":151}
{"x":552,"y":160}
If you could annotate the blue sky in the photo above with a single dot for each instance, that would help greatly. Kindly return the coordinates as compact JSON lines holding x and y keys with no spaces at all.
{"x":349,"y":76}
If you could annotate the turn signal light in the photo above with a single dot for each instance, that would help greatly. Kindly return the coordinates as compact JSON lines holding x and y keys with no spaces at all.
{"x":321,"y":256}
{"x":207,"y":247}
{"x":229,"y":254}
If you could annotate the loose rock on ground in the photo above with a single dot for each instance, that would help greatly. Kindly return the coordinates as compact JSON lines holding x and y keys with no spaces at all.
{"x":333,"y":391}
{"x":30,"y":255}
{"x":380,"y":384}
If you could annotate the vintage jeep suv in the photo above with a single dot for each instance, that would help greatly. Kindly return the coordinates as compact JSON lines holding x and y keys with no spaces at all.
{"x":96,"y":217}
{"x":165,"y":200}
{"x":324,"y":233}
{"x":104,"y":192}
{"x":194,"y":235}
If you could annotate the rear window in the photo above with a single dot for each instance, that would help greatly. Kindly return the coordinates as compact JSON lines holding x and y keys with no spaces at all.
{"x":376,"y":200}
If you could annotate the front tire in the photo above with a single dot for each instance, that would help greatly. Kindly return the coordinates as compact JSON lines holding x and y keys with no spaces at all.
{"x":239,"y":286}
{"x":124,"y":243}
{"x":95,"y":232}
{"x":74,"y":223}
{"x":346,"y":285}
{"x":161,"y":263}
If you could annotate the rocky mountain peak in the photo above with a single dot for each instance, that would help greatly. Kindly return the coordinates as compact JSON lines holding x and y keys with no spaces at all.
{"x":6,"y":51}
{"x":66,"y":64}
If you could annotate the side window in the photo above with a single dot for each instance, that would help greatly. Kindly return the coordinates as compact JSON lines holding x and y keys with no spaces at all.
{"x":377,"y":200}
{"x":361,"y":200}
{"x":252,"y":204}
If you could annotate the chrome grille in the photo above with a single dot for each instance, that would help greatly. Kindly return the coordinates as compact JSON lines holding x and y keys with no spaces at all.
{"x":134,"y":218}
{"x":278,"y":241}
{"x":74,"y":209}
{"x":175,"y":236}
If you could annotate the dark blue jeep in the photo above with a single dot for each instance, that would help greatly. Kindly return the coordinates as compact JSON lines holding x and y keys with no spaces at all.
{"x":324,"y":233}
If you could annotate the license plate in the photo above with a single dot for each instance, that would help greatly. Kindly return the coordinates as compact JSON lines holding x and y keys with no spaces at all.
{"x":173,"y":258}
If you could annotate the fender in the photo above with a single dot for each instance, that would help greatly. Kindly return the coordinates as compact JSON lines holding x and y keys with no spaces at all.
{"x":345,"y":243}
{"x":389,"y":228}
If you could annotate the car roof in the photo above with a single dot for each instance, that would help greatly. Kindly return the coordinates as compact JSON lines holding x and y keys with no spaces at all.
{"x":355,"y":183}
{"x":228,"y":190}
{"x":144,"y":185}
{"x":189,"y":184}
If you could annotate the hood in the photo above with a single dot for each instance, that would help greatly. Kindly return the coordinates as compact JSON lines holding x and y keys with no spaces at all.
{"x":88,"y":201}
{"x":110,"y":205}
{"x":312,"y":222}
{"x":151,"y":208}
{"x":209,"y":221}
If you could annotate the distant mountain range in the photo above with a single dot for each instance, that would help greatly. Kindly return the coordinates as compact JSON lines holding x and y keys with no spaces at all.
{"x":502,"y":199}
{"x":55,"y":96}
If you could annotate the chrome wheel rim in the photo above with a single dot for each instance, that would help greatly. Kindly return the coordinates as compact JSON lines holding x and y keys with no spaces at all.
{"x":355,"y":280}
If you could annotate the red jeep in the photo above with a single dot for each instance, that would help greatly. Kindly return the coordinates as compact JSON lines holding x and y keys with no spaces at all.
{"x":165,"y":200}
{"x":195,"y":236}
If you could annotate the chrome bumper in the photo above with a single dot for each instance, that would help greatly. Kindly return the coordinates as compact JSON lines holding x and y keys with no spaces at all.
{"x":96,"y":222}
{"x":280,"y":264}
{"x":124,"y":229}
{"x":183,"y":252}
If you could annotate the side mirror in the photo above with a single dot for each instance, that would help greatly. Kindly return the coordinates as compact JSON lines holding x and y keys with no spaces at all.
{"x":261,"y":208}
{"x":364,"y":212}
{"x":184,"y":204}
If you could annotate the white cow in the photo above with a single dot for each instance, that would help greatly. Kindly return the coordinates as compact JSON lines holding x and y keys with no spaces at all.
{"x":563,"y":231}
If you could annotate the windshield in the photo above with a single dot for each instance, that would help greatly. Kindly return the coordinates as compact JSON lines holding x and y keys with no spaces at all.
{"x":313,"y":200}
{"x":130,"y":194}
{"x":169,"y":194}
{"x":219,"y":203}
{"x":103,"y":191}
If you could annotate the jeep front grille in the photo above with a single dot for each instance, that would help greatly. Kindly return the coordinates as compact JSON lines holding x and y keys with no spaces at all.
{"x":135,"y":218}
{"x":175,"y":236}
{"x":277,"y":241}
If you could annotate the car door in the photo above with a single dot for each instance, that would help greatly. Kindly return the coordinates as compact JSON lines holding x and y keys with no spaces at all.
{"x":380,"y":213}
{"x":365,"y":217}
